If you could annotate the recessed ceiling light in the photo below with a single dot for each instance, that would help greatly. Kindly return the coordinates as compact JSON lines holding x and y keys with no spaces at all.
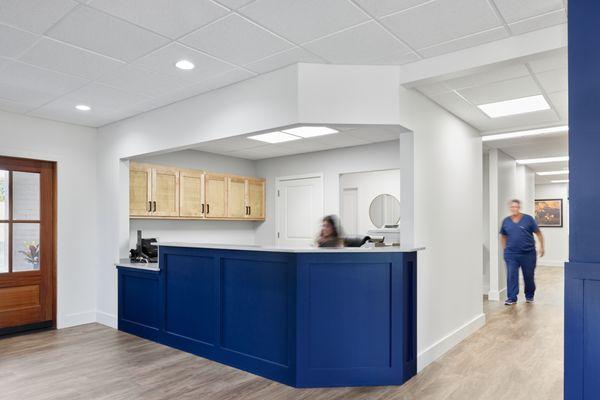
{"x":310,"y":131}
{"x":546,"y":173}
{"x":561,"y":181}
{"x":543,"y":160}
{"x":83,"y":107}
{"x":519,"y":134}
{"x":274,"y":137}
{"x":516,"y":106}
{"x":185,"y":65}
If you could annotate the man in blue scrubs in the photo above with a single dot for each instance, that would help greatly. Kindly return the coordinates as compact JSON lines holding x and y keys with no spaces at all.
{"x":518,"y":243}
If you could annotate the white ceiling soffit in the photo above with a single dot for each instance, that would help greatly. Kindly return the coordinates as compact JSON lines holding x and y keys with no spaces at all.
{"x":118,"y":56}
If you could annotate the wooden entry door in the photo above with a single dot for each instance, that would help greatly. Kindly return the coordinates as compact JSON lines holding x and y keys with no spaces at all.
{"x":27,"y":244}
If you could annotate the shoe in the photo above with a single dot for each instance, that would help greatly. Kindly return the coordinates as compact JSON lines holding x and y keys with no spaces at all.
{"x":531,"y":300}
{"x":510,"y":302}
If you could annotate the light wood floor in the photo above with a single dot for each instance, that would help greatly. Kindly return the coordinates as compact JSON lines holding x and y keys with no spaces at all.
{"x":517,"y":355}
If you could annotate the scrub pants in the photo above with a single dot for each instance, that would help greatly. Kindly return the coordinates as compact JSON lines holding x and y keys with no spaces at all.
{"x":527,"y":262}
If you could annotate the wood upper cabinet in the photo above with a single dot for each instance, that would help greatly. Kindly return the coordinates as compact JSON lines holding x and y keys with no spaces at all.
{"x":140,"y":194}
{"x":256,"y":198}
{"x":236,"y":197}
{"x":176,"y":193}
{"x":215,"y":192}
{"x":191,"y":193}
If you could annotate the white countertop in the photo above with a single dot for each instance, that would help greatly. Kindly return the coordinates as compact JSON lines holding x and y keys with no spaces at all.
{"x":284,"y":249}
{"x":143,"y":266}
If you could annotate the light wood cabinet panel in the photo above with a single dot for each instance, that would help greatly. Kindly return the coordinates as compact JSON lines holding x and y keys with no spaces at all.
{"x":191,"y":193}
{"x":236,"y":197}
{"x":140,"y":177}
{"x":215,"y":193}
{"x":256,"y":198}
{"x":165,"y":192}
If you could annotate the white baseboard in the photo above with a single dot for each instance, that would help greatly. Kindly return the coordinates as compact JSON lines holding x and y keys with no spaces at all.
{"x":551,"y":263}
{"x":74,"y":319}
{"x":106,"y":319}
{"x":436,"y":350}
{"x":497,"y":295}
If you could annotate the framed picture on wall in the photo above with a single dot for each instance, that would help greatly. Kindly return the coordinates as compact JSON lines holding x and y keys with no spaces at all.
{"x":549,"y":213}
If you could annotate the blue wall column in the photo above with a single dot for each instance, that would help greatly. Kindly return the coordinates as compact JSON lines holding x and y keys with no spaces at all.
{"x":582,"y":272}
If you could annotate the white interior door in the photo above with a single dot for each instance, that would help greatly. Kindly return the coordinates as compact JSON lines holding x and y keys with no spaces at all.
{"x":349,"y":214}
{"x":299,"y":210}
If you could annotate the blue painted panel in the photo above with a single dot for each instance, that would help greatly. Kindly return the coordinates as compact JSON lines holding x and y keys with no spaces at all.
{"x":591,"y":342}
{"x":139,"y":303}
{"x":254,"y":313}
{"x":190,"y":298}
{"x":349,"y":321}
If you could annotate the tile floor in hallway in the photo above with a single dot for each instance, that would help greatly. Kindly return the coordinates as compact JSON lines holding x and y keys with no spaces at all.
{"x":517,"y":355}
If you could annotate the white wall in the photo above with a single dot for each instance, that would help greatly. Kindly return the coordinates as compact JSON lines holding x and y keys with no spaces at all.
{"x":233,"y":232}
{"x":557,"y":239}
{"x":486,"y":224}
{"x":368,"y":186}
{"x":331,"y":164}
{"x":74,"y":149}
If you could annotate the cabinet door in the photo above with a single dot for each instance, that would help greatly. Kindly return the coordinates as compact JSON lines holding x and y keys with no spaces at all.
{"x":165,"y":192}
{"x":236,"y":197}
{"x":140,"y":178}
{"x":256,"y":198}
{"x":191,"y":193}
{"x":215,"y":193}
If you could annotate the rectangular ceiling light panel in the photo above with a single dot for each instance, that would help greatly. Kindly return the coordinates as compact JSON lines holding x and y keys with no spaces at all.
{"x":274,"y":137}
{"x":310,"y":131}
{"x":543,"y":160}
{"x":520,"y":134}
{"x":516,"y":106}
{"x":547,"y":173}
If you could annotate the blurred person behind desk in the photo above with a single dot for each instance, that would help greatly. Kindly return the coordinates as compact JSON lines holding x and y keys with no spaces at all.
{"x":331,"y":233}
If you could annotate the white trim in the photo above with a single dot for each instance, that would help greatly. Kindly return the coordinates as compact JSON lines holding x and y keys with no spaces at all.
{"x":279,"y":179}
{"x":73,"y":319}
{"x":438,"y":349}
{"x":551,"y":263}
{"x":496,"y":295}
{"x":107,"y":319}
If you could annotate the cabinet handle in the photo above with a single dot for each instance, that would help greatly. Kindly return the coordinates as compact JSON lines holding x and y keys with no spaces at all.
{"x":154,"y":206}
{"x":249,"y":210}
{"x":202,"y":208}
{"x":208,"y":208}
{"x":149,"y":206}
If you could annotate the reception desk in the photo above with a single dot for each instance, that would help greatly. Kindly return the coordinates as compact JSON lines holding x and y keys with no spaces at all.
{"x":303,"y":317}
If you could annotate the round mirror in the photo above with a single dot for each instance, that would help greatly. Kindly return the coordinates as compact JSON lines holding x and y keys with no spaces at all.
{"x":384,"y":210}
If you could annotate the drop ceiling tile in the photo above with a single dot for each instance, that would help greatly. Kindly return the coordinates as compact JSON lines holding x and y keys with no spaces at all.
{"x":234,"y":4}
{"x":73,"y":117}
{"x":380,"y":8}
{"x":501,"y":91}
{"x":514,"y":122}
{"x":440,"y":21}
{"x":431,"y":89}
{"x":34,"y":15}
{"x":514,"y":10}
{"x":362,"y":44}
{"x":32,"y":86}
{"x":465,"y":42}
{"x":560,"y":100}
{"x":341,"y":139}
{"x":236,"y":40}
{"x":374,"y":134}
{"x":10,"y":106}
{"x":148,"y":83}
{"x":302,"y":21}
{"x":283,"y":59}
{"x":164,"y":59}
{"x":548,"y":62}
{"x":540,"y":22}
{"x":167,"y":17}
{"x":555,"y":80}
{"x":226,"y":79}
{"x":14,"y":41}
{"x":61,"y":57}
{"x":105,"y":34}
{"x":495,"y":74}
{"x":399,"y":58}
{"x":261,"y":152}
{"x":229,"y":145}
{"x":454,"y":104}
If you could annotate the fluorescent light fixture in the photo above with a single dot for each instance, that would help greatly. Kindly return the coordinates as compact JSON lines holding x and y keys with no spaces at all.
{"x":83,"y":107}
{"x":543,"y":160}
{"x":520,"y":134}
{"x":546,"y":173}
{"x":515,"y":106}
{"x":274,"y":137}
{"x":310,"y":131}
{"x":185,"y":65}
{"x":561,"y":181}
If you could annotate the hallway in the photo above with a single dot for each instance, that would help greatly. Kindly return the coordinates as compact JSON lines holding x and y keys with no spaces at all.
{"x":517,"y":355}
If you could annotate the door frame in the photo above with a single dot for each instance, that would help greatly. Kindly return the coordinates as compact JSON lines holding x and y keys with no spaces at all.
{"x":53,"y":269}
{"x":278,"y":206}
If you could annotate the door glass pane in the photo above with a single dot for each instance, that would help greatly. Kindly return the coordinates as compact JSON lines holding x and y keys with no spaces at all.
{"x":26,"y":247}
{"x":4,"y":195}
{"x":3,"y":248}
{"x":26,"y":196}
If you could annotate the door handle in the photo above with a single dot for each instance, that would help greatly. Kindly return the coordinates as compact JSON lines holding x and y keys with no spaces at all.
{"x":154,"y":206}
